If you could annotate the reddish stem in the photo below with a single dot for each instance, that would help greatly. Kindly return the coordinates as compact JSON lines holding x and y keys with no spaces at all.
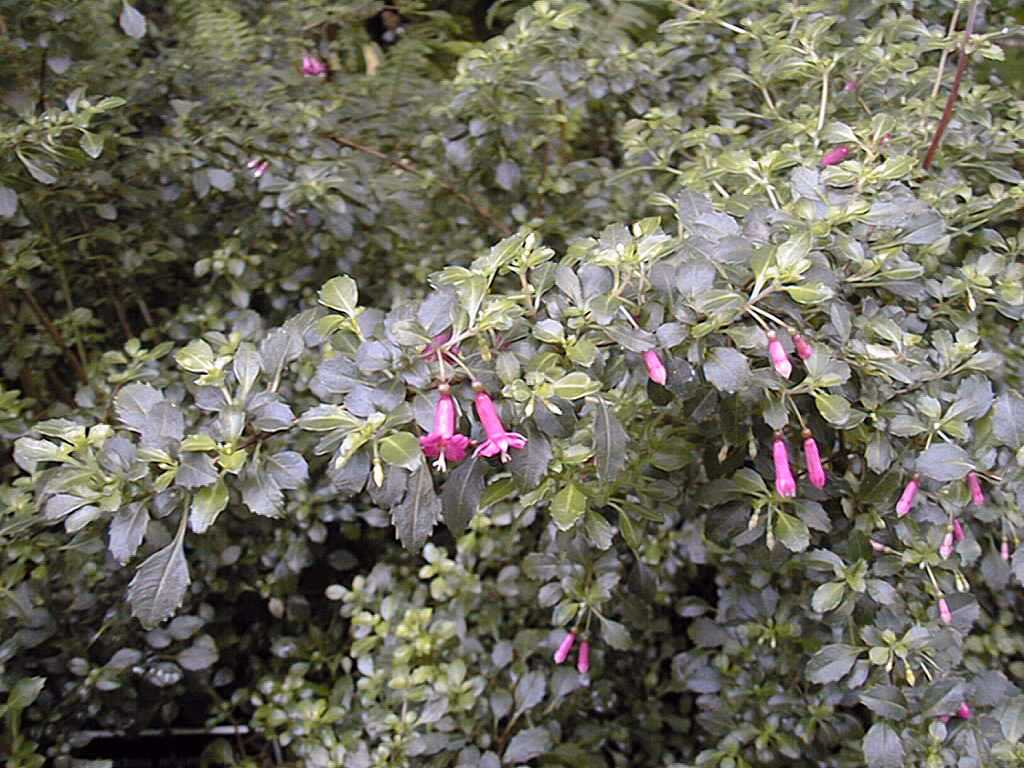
{"x":961,"y":67}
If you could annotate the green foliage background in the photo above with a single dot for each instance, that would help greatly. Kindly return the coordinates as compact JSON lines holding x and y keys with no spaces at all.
{"x":214,"y":508}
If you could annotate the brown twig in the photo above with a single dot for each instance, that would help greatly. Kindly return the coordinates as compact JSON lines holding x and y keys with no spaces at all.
{"x":406,"y":165}
{"x":954,"y":92}
{"x":55,"y":334}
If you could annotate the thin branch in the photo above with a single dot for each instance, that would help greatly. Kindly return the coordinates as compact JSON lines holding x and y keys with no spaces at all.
{"x":961,"y":67}
{"x":55,"y":334}
{"x":406,"y":165}
{"x":945,"y":52}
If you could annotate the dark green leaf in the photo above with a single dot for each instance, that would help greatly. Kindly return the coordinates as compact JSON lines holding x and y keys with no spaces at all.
{"x":416,"y":516}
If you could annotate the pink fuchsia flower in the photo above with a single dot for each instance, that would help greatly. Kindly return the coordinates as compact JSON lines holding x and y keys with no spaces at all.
{"x":907,"y":497}
{"x":437,"y":344}
{"x":878,"y":546}
{"x":784,"y":482}
{"x":835,"y":156}
{"x":777,"y":354}
{"x":499,"y":440}
{"x":944,"y":613}
{"x":851,"y":86}
{"x":958,"y":531}
{"x":258,"y":167}
{"x":655,"y":368}
{"x":443,"y":443}
{"x":803,"y":349}
{"x":583,"y":661}
{"x":974,"y":484}
{"x":1004,"y":550}
{"x":946,"y":548}
{"x":312,"y":66}
{"x":964,"y":712}
{"x":565,"y":646}
{"x":815,"y":470}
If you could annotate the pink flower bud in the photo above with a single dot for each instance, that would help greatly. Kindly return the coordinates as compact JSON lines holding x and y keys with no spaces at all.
{"x":655,"y":368}
{"x":835,"y":156}
{"x":878,"y":546}
{"x":851,"y":86}
{"x":907,"y":497}
{"x":312,"y":66}
{"x":583,"y":662}
{"x":803,"y":349}
{"x":974,"y":484}
{"x":784,"y":482}
{"x":964,"y":712}
{"x":1004,"y":550}
{"x":958,"y":531}
{"x":565,"y":646}
{"x":946,"y":548}
{"x":944,"y":613}
{"x":815,"y":471}
{"x":499,"y":440}
{"x":777,"y":354}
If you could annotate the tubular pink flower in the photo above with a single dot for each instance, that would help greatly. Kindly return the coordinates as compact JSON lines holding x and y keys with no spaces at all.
{"x":835,"y":156}
{"x":964,"y":712}
{"x":443,"y":443}
{"x":958,"y":531}
{"x":851,"y":86}
{"x":944,"y":613}
{"x":946,"y":548}
{"x":312,"y":66}
{"x":777,"y":354}
{"x":815,"y":470}
{"x":260,"y":168}
{"x":878,"y":546}
{"x":565,"y":646}
{"x":977,"y":495}
{"x":655,"y":368}
{"x":1004,"y":550}
{"x":907,"y":497}
{"x":499,"y":440}
{"x":803,"y":349}
{"x":583,"y":662}
{"x":784,"y":482}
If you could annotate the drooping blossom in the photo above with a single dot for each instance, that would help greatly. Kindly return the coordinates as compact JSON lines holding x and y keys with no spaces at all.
{"x":499,"y":440}
{"x":1004,"y":550}
{"x":258,"y":167}
{"x":815,"y":470}
{"x":907,"y":497}
{"x":944,"y":613}
{"x":803,"y":348}
{"x":851,"y":86}
{"x":565,"y":646}
{"x":878,"y":546}
{"x":443,"y":443}
{"x":655,"y":368}
{"x":958,"y":531}
{"x":437,"y":344}
{"x":313,"y":66}
{"x":777,"y":354}
{"x":974,"y":484}
{"x":784,"y":482}
{"x":964,"y":712}
{"x":946,"y":548}
{"x":835,"y":156}
{"x":583,"y":660}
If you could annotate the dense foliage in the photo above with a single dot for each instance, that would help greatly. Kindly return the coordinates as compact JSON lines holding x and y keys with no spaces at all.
{"x":621,"y":389}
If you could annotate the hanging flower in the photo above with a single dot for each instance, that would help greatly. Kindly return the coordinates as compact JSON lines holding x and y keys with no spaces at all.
{"x":850,"y":86}
{"x":312,"y":66}
{"x":777,"y":354}
{"x":878,"y":546}
{"x":835,"y":156}
{"x":974,"y":484}
{"x":1004,"y":550}
{"x":815,"y":470}
{"x":583,"y":661}
{"x":958,"y":531}
{"x":964,"y":712}
{"x":907,"y":497}
{"x":655,"y":368}
{"x":258,"y":167}
{"x":784,"y":482}
{"x":565,"y":646}
{"x":803,"y":349}
{"x":443,"y":443}
{"x":944,"y":613}
{"x":499,"y":440}
{"x":946,"y":548}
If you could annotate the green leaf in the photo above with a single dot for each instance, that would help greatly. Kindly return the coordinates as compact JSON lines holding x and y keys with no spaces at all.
{"x":91,"y":144}
{"x":1008,"y":420}
{"x":401,"y":449}
{"x":727,"y":369}
{"x":158,"y":588}
{"x":530,"y":691}
{"x":835,"y":409}
{"x":460,"y":497}
{"x":615,"y":634}
{"x":609,"y":442}
{"x":195,"y":357}
{"x":944,"y":462}
{"x":791,"y":253}
{"x":1011,"y":719}
{"x":831,"y":663}
{"x":792,"y":532}
{"x":342,"y":294}
{"x":25,"y":692}
{"x":575,"y":385}
{"x":132,"y":22}
{"x":526,"y":745}
{"x":568,"y":506}
{"x":886,"y":701}
{"x":207,"y":504}
{"x":127,"y":530}
{"x":883,"y":748}
{"x":828,"y":596}
{"x":810,"y":293}
{"x":598,"y":530}
{"x":416,"y":516}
